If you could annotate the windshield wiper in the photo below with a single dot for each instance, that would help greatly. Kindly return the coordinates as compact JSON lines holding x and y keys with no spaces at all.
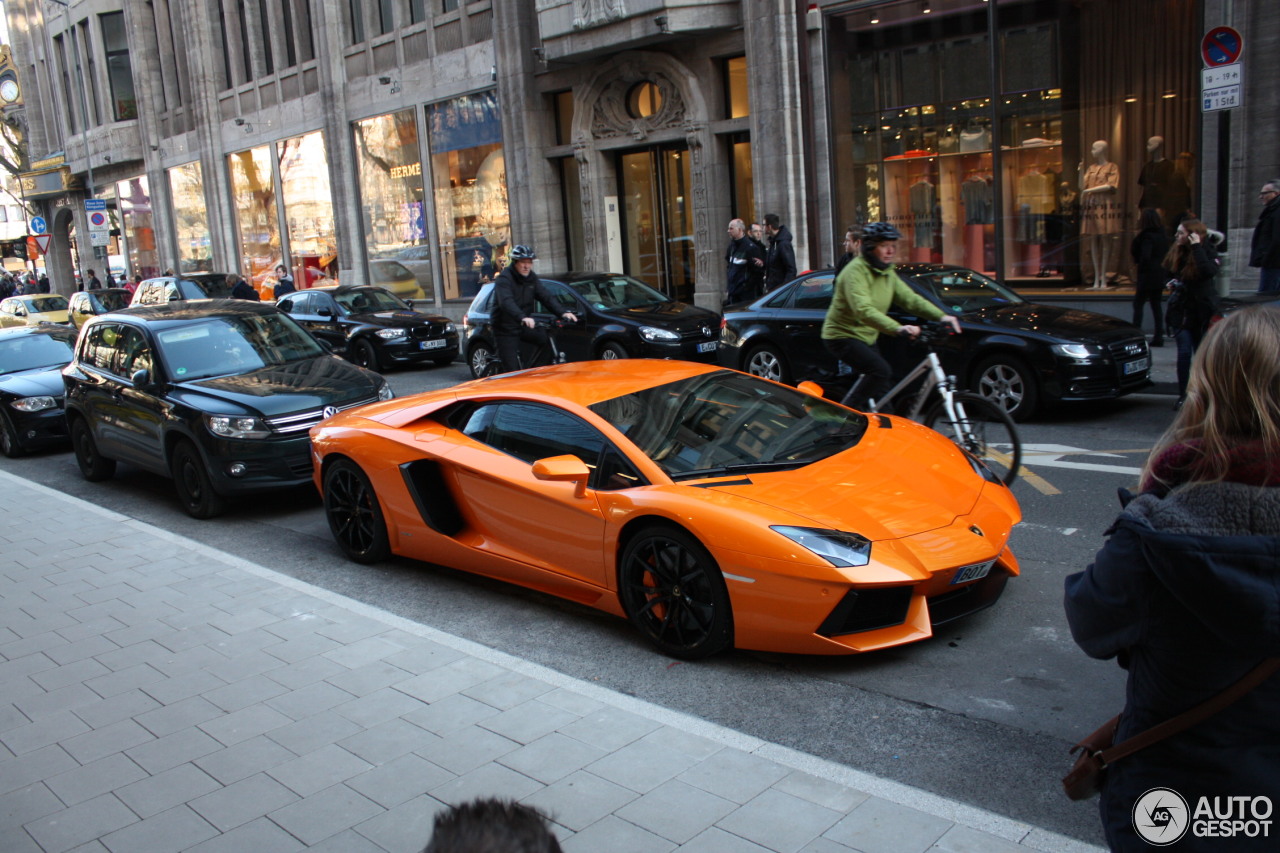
{"x":736,"y":468}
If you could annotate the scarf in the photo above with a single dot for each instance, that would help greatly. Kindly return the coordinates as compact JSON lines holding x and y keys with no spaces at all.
{"x":1248,"y":463}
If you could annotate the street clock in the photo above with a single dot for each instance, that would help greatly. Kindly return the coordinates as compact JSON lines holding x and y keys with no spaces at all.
{"x":10,"y":89}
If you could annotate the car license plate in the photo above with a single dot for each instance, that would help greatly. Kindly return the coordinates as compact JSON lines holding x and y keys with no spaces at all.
{"x":709,"y":346}
{"x":436,"y":344}
{"x":1138,"y":366}
{"x":972,"y":573}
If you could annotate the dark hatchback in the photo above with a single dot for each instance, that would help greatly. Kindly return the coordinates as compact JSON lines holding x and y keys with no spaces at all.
{"x":1016,"y":353}
{"x":619,"y":317}
{"x":179,"y":288}
{"x":217,"y":395}
{"x":372,"y":327}
{"x":31,"y":392}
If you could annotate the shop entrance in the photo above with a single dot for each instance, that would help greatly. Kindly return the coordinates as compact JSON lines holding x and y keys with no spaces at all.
{"x":657,"y":218}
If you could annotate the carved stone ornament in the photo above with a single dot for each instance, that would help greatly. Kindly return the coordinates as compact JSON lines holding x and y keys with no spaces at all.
{"x":610,"y":117}
{"x":593,"y":13}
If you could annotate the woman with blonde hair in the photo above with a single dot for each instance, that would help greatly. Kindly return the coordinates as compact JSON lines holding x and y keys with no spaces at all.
{"x":1186,"y":591}
{"x":1192,"y":262}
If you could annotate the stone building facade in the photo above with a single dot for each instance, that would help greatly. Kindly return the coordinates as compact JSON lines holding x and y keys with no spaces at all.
{"x":370,"y":140}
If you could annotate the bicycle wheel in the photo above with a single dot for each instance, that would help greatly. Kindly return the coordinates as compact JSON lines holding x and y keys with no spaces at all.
{"x":986,"y":432}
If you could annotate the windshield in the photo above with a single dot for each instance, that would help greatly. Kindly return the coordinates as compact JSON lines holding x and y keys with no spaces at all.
{"x":113,"y":300}
{"x":44,"y":304}
{"x":965,"y":290}
{"x":725,"y":422}
{"x":225,"y":345}
{"x":617,"y":293}
{"x":28,"y":352}
{"x":369,"y":300}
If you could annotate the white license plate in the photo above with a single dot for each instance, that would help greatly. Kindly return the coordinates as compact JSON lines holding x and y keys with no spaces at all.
{"x":433,"y":344}
{"x":709,"y":346}
{"x":972,"y":573}
{"x":1136,"y":366}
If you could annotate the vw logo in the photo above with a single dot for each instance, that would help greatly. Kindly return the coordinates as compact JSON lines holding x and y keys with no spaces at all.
{"x":329,"y":411}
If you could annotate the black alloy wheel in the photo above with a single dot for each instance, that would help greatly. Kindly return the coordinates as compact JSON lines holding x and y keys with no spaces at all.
{"x":355,"y":518}
{"x":93,"y":465}
{"x":1007,"y":381}
{"x":673,"y":592}
{"x":193,"y":484}
{"x":9,"y":438}
{"x":364,"y":355}
{"x":483,"y":361}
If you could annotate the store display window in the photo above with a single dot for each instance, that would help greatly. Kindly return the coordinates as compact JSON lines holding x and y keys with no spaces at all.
{"x":257,"y":211}
{"x":133,"y":201}
{"x":191,"y":218}
{"x":392,"y":197}
{"x":308,"y":213}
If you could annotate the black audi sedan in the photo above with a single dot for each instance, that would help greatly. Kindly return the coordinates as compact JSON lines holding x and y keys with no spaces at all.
{"x":619,"y":317}
{"x":218,"y":395}
{"x":372,"y":327}
{"x":31,"y":362}
{"x":1016,"y":353}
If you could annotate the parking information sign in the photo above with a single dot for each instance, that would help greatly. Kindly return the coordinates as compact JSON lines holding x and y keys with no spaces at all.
{"x":1220,"y":87}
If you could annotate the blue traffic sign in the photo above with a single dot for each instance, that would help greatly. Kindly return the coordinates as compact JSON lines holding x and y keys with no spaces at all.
{"x":38,"y":225}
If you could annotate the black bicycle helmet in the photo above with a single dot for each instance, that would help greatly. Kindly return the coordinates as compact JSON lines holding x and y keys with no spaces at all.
{"x":878,"y":232}
{"x":523,"y":253}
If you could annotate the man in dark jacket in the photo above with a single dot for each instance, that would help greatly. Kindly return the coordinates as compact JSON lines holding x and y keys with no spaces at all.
{"x":516,"y":293}
{"x":1265,"y":251}
{"x":284,"y":281}
{"x":740,"y":258}
{"x":241,"y":289}
{"x":780,"y":263}
{"x":93,"y":282}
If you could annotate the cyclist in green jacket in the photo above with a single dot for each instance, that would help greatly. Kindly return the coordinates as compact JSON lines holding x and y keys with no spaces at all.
{"x":864,"y":292}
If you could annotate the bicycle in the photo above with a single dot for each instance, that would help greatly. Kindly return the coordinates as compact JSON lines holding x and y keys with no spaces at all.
{"x":485,"y":361}
{"x":978,"y":426}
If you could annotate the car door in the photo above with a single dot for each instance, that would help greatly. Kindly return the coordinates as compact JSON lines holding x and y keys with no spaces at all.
{"x":9,"y":313}
{"x":142,"y":408}
{"x":305,"y":308}
{"x":800,"y":327}
{"x":577,"y":340}
{"x":519,"y":517}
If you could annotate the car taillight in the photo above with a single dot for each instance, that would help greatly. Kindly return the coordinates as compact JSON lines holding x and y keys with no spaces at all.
{"x":723,"y":323}
{"x":466,"y":321}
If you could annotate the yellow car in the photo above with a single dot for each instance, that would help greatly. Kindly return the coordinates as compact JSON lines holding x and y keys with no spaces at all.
{"x":34,"y":308}
{"x":397,"y":278}
{"x":91,"y":303}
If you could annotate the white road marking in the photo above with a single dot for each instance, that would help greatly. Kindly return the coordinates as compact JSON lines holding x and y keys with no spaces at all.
{"x":1050,"y":456}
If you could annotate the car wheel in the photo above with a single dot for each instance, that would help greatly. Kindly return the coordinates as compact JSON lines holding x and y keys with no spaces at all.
{"x":9,"y":438}
{"x":193,"y":484}
{"x":363,"y":354}
{"x":355,"y":518}
{"x":673,"y":591}
{"x":1009,"y":383}
{"x":93,"y":465}
{"x":482,"y":360}
{"x":767,"y":362}
{"x":610,"y":350}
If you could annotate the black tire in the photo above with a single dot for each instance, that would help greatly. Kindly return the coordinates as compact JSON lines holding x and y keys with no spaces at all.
{"x":610,"y":350}
{"x":1008,"y":382}
{"x":991,"y":436}
{"x":768,"y":362}
{"x":673,"y":592}
{"x":355,"y":517}
{"x":193,"y":484}
{"x":9,"y":438}
{"x":482,"y":360}
{"x":363,"y":354}
{"x":93,"y":465}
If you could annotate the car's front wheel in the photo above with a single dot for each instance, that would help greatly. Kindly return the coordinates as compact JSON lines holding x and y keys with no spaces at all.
{"x":673,"y":591}
{"x":355,"y":518}
{"x":767,"y":362}
{"x":93,"y":465}
{"x":610,"y":350}
{"x":363,"y":354}
{"x":193,"y":484}
{"x":1007,"y":381}
{"x":9,"y":438}
{"x":482,"y":360}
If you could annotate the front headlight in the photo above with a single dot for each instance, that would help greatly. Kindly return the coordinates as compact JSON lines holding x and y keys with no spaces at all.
{"x":653,"y":333}
{"x":34,"y":404}
{"x":449,"y":328}
{"x":1077,"y":350}
{"x":838,"y":548}
{"x":388,"y":334}
{"x":229,"y":426}
{"x":385,"y":392}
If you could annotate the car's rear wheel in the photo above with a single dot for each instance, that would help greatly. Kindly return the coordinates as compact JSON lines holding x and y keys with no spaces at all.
{"x":363,"y":354}
{"x":673,"y":591}
{"x":93,"y":465}
{"x":355,"y":518}
{"x":610,"y":350}
{"x":768,"y":362}
{"x":9,"y":438}
{"x":482,"y":360}
{"x":1007,"y":381}
{"x":193,"y":484}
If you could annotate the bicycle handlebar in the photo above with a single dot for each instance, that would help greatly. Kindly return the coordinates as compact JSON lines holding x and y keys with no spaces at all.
{"x":933,"y":331}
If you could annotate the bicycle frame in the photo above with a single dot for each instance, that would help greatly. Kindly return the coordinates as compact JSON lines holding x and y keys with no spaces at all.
{"x":929,"y":367}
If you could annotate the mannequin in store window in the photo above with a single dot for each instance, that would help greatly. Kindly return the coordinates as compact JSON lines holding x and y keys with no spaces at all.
{"x":1156,"y":178}
{"x":1098,"y":221}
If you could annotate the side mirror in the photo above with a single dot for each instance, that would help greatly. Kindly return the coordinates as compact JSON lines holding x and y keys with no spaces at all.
{"x":325,"y":344}
{"x":564,"y":469}
{"x":810,"y":387}
{"x":326,"y":311}
{"x":141,"y":378}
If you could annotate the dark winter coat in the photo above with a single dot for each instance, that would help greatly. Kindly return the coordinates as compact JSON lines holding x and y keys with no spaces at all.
{"x":284,"y":285}
{"x":1148,"y":250}
{"x":739,"y":259}
{"x":243,"y":290}
{"x":1193,"y":301}
{"x":515,"y":297}
{"x":1265,"y":249}
{"x":780,"y":262}
{"x":1186,"y":594}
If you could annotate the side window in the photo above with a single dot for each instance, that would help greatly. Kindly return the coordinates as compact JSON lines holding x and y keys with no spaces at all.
{"x":815,"y":293}
{"x":100,"y":347}
{"x":135,"y":352}
{"x":563,"y":300}
{"x":171,"y":291}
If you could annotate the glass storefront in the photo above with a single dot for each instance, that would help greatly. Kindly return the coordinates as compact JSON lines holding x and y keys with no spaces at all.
{"x":191,"y":218}
{"x":133,"y":201}
{"x":308,"y":210}
{"x":1033,"y":164}
{"x":392,"y":198}
{"x":257,"y":212}
{"x":469,"y":180}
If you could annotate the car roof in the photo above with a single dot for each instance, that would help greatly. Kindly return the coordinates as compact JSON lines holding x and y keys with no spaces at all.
{"x":343,"y":288}
{"x":187,"y":311}
{"x":102,"y":290}
{"x":53,"y":329}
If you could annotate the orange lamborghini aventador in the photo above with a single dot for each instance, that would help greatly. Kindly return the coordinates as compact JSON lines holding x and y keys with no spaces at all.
{"x":711,"y":508}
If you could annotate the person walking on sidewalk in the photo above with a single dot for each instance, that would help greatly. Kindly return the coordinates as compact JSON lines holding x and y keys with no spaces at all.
{"x":1193,"y":264}
{"x":1265,"y":249}
{"x":740,"y":257}
{"x":1148,"y":250}
{"x":1185,"y":594}
{"x":780,"y":262}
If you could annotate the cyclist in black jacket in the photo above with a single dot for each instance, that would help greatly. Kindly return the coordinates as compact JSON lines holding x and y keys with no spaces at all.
{"x":516,"y":292}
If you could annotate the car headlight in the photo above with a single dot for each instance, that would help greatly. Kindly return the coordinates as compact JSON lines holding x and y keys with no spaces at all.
{"x":34,"y":404}
{"x":653,"y":333}
{"x":388,"y":334}
{"x":449,"y":328}
{"x":1077,"y":350}
{"x":385,"y":392}
{"x":231,"y":426}
{"x":835,"y":546}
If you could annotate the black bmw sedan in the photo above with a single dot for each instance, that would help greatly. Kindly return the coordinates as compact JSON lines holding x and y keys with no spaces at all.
{"x":31,"y":393}
{"x":1016,"y":353}
{"x":619,"y":317}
